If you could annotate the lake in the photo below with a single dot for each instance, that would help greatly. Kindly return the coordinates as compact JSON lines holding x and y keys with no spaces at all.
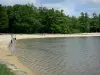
{"x":60,"y":56}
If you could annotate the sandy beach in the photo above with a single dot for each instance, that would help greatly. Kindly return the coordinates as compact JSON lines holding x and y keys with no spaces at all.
{"x":5,"y":53}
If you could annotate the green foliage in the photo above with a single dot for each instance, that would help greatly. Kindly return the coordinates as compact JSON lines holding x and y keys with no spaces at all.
{"x":3,"y":19}
{"x":95,"y":23}
{"x":4,"y":70}
{"x":30,"y":19}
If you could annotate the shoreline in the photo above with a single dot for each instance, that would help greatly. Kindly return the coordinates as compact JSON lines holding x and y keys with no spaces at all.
{"x":7,"y":57}
{"x":5,"y":39}
{"x":29,"y":36}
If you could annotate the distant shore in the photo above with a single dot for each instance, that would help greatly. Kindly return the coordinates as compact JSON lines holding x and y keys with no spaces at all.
{"x":5,"y":40}
{"x":26,"y":36}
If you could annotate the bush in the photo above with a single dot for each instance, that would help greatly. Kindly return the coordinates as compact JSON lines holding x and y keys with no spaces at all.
{"x":4,"y":70}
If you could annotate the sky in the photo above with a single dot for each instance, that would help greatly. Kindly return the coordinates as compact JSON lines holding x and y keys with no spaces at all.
{"x":70,"y":7}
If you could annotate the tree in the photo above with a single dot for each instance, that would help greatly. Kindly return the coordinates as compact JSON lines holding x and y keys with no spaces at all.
{"x":3,"y":19}
{"x":30,"y":19}
{"x":23,"y":18}
{"x":87,"y":22}
{"x":74,"y":25}
{"x":11,"y":18}
{"x":99,"y":23}
{"x":82,"y":22}
{"x":94,"y":23}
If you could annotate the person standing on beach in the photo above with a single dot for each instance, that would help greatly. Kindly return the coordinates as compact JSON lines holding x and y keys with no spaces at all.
{"x":11,"y":45}
{"x":11,"y":38}
{"x":15,"y":37}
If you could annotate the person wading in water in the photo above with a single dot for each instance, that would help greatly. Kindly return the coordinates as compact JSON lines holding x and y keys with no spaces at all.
{"x":12,"y":38}
{"x":12,"y":43}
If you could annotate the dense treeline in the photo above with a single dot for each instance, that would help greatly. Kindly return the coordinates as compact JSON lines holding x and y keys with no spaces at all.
{"x":30,"y":19}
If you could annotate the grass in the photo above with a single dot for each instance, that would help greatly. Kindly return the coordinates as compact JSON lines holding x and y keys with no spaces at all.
{"x":5,"y":71}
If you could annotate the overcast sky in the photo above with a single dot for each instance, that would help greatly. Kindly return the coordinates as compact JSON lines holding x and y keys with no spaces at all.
{"x":70,"y":7}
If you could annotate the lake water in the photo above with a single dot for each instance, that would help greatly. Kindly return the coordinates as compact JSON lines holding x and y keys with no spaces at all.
{"x":60,"y":56}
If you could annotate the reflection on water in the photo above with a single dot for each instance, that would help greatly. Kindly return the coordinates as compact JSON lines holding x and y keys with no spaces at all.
{"x":61,"y":56}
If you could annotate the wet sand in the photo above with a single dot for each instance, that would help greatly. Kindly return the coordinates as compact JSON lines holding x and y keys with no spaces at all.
{"x":5,"y":55}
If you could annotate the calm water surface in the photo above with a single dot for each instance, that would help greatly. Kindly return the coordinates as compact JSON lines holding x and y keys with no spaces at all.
{"x":60,"y":56}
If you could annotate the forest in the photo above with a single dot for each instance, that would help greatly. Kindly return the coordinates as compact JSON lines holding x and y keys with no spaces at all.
{"x":30,"y":19}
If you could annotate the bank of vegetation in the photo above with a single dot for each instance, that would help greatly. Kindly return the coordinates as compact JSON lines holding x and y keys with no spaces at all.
{"x":30,"y":19}
{"x":5,"y":71}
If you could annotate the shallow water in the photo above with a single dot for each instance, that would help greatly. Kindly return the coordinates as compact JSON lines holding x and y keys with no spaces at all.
{"x":60,"y":56}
